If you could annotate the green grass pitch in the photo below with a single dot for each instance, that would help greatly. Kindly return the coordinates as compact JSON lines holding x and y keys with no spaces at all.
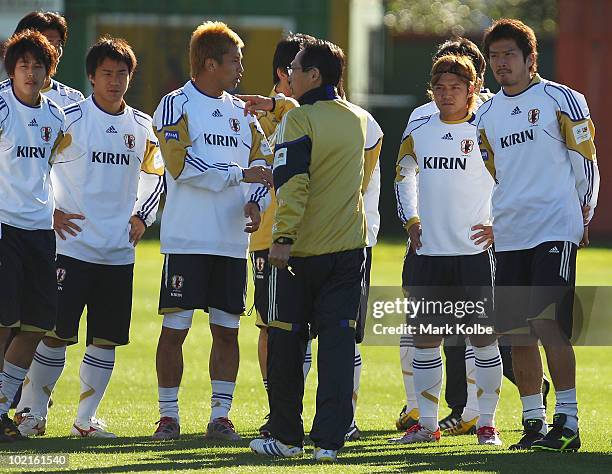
{"x":130,"y":404}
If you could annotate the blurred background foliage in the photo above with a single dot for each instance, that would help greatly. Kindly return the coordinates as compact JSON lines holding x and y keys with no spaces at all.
{"x":461,"y":17}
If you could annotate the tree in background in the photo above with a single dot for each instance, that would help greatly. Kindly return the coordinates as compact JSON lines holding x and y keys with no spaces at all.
{"x":461,"y":16}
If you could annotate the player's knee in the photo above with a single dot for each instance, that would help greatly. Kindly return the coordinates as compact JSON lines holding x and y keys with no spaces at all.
{"x":521,"y":342}
{"x":483,"y":340}
{"x":30,"y":336}
{"x":179,"y":321}
{"x":224,"y":320}
{"x":550,"y":333}
{"x":53,"y":342}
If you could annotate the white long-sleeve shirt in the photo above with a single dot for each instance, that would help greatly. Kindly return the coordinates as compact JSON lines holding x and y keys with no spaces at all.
{"x":113,"y":170}
{"x":453,"y":192}
{"x":539,"y":147}
{"x":206,"y":142}
{"x":29,"y":137}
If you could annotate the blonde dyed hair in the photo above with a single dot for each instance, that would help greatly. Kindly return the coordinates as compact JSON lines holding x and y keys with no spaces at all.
{"x":461,"y":66}
{"x":212,"y":39}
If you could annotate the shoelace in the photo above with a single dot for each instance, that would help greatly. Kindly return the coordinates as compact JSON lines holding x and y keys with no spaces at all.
{"x":486,"y":430}
{"x":227,"y":422}
{"x":164,"y":423}
{"x":97,"y":423}
{"x":414,"y":429}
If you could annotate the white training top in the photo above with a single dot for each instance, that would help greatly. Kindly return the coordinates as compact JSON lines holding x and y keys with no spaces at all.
{"x":453,"y":192}
{"x":371,"y":196}
{"x":28,"y":139}
{"x":120,"y":174}
{"x":206,"y":142}
{"x":539,"y":147}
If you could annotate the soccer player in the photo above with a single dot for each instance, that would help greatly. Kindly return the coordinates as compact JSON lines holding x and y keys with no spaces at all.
{"x":211,"y":149}
{"x":536,"y":137}
{"x":31,"y":126}
{"x":114,"y":192}
{"x":319,"y":178}
{"x":460,"y":392}
{"x":447,"y":216}
{"x":53,"y":27}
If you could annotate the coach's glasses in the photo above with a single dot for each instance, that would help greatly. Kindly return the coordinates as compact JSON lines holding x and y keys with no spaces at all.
{"x":290,"y":69}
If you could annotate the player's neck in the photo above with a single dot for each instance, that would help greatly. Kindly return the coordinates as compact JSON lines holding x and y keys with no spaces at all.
{"x":519,"y":87}
{"x":282,"y":88}
{"x":454,"y":117}
{"x":208,"y":87}
{"x":109,"y":107}
{"x":27,"y":99}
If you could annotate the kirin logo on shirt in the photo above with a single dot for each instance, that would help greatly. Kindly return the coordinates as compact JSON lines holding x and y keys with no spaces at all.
{"x":45,"y":133}
{"x":533,"y":116}
{"x":234,"y":125}
{"x":130,"y":141}
{"x":467,"y":146}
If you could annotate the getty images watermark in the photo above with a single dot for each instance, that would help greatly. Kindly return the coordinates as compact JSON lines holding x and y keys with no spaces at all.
{"x":417,"y":312}
{"x":456,"y":313}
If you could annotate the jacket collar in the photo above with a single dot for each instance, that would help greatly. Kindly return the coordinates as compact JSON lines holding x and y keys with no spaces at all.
{"x":319,"y":93}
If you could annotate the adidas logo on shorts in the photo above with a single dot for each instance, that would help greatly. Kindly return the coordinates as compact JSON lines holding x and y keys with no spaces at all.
{"x":516,"y":111}
{"x":217,"y":113}
{"x":111,"y":129}
{"x":554,"y":250}
{"x":33,"y":123}
{"x":448,"y":136}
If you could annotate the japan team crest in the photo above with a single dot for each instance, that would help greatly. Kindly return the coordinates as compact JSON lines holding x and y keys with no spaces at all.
{"x":61,"y":274}
{"x":177,"y":281}
{"x":533,"y":116}
{"x":234,"y":124}
{"x":467,"y":146}
{"x":259,"y":264}
{"x":45,"y":133}
{"x":130,"y":141}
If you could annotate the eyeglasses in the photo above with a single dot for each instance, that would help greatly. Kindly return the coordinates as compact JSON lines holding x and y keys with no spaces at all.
{"x":290,"y":69}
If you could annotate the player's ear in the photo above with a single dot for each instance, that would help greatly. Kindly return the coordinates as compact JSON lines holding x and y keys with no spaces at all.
{"x":282,"y":73}
{"x":91,"y":79}
{"x":210,"y":64}
{"x":530,"y":60}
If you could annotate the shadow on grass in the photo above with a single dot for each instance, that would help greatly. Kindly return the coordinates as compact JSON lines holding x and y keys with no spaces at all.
{"x":373,"y":454}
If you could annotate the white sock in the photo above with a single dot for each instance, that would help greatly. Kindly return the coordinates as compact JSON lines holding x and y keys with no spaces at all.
{"x":12,"y":377}
{"x":221,"y":400}
{"x":489,"y":374}
{"x":427,"y":365}
{"x":406,"y":357}
{"x":533,"y":409}
{"x":307,"y":359}
{"x":356,"y":380}
{"x":470,"y":411}
{"x":168,"y":402}
{"x":44,"y":372}
{"x":567,"y":404}
{"x":96,"y":371}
